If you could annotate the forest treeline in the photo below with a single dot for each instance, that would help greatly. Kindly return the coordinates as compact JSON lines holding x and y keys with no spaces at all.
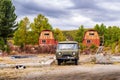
{"x":25,"y":32}
{"x":110,"y":35}
{"x":28,"y":33}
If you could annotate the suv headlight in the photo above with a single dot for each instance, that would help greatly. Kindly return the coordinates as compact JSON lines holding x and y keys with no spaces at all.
{"x":73,"y":53}
{"x":59,"y":53}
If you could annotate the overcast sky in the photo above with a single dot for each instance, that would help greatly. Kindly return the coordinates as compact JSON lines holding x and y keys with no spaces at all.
{"x":70,"y":14}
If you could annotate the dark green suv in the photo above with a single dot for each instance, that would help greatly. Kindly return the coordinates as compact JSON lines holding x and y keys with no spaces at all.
{"x":67,"y":51}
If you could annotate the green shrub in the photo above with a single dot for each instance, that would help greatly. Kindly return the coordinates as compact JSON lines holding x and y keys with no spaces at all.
{"x":2,"y":44}
{"x":93,"y":46}
{"x":82,"y":47}
{"x":113,"y":45}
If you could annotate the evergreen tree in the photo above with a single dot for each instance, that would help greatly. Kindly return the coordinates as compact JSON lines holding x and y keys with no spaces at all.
{"x":101,"y":29}
{"x":2,"y":44}
{"x":59,"y":35}
{"x":40,"y":23}
{"x":32,"y":38}
{"x":80,"y":34}
{"x":7,"y":19}
{"x":20,"y":36}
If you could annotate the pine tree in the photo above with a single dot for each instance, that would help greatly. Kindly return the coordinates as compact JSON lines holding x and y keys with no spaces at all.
{"x":7,"y":19}
{"x":80,"y":34}
{"x":20,"y":35}
{"x":40,"y":23}
{"x":59,"y":35}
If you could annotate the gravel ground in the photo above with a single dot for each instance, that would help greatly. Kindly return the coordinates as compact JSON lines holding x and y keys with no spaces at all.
{"x":69,"y":71}
{"x":81,"y":72}
{"x":64,"y":72}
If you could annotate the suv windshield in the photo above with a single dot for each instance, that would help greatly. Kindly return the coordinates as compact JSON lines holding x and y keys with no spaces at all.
{"x":67,"y":46}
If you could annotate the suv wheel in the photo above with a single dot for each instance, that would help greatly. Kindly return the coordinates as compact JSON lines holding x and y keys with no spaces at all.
{"x":59,"y":62}
{"x":76,"y":62}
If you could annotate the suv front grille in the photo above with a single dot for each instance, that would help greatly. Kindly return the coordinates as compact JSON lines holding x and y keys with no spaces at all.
{"x":66,"y":55}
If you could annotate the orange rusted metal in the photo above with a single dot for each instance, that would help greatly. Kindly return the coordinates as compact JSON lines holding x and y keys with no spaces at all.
{"x":47,"y":38}
{"x":91,"y":37}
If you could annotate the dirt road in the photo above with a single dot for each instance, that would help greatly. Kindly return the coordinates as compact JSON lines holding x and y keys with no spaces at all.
{"x":65,"y":72}
{"x":81,"y":72}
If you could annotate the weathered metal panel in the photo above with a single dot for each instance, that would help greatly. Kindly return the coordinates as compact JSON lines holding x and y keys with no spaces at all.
{"x":91,"y":37}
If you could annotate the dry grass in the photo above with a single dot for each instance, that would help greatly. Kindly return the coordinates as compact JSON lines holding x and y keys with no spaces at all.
{"x":8,"y":60}
{"x":8,"y":74}
{"x":1,"y":59}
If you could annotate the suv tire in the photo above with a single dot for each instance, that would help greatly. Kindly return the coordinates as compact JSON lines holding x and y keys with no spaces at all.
{"x":59,"y":62}
{"x":76,"y":62}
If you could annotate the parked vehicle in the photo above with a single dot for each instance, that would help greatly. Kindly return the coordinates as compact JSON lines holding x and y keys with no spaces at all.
{"x":67,"y":51}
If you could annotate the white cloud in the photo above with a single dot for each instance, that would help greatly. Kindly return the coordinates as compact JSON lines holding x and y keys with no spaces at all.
{"x":72,"y":22}
{"x":113,"y":23}
{"x":114,"y":6}
{"x":61,"y":4}
{"x":68,"y":14}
